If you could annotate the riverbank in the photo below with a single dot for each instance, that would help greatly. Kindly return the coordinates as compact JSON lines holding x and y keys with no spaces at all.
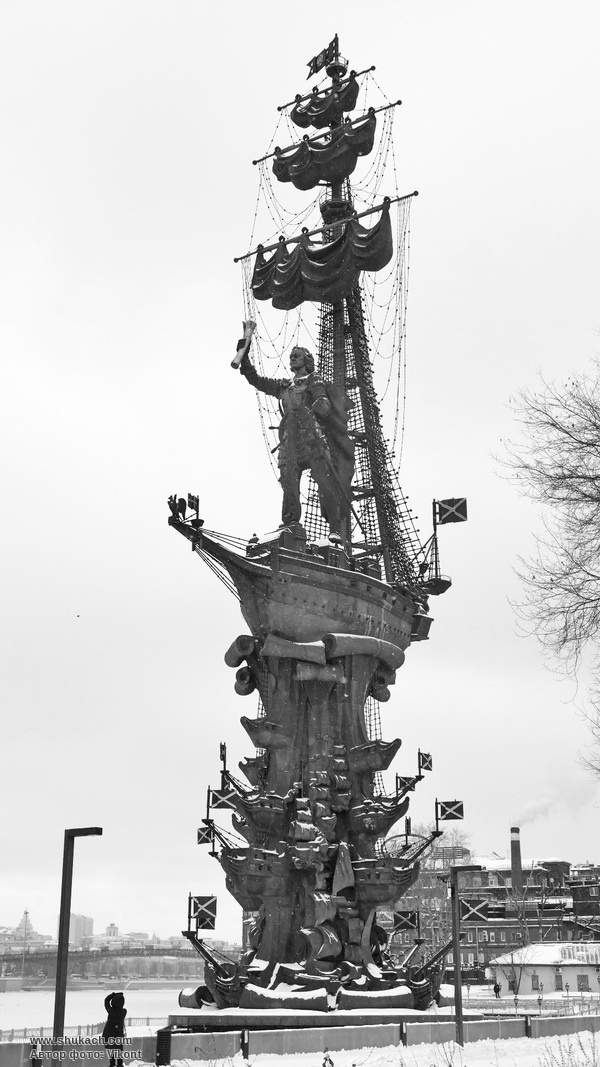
{"x":20,"y":1009}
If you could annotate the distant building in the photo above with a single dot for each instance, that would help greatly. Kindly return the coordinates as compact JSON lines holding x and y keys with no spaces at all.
{"x":81,"y":928}
{"x":586,"y":871}
{"x":584,"y":884}
{"x":507,"y":904}
{"x":23,"y":934}
{"x":550,"y":967}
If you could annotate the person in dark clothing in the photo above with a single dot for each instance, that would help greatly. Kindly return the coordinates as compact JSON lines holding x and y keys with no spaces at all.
{"x":114,"y":1028}
{"x":497,"y":988}
{"x":313,"y":436}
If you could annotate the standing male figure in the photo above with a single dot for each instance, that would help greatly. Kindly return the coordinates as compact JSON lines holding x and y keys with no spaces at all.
{"x":313,"y":436}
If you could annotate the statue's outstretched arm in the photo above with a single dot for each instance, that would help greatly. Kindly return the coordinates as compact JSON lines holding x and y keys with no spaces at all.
{"x":271,"y":386}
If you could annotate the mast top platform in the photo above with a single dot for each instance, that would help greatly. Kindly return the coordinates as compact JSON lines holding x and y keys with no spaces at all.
{"x":337,"y":68}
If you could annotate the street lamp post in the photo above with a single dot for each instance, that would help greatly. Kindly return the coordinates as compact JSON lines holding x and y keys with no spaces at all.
{"x":26,"y":915}
{"x":62,"y":956}
{"x":455,"y":901}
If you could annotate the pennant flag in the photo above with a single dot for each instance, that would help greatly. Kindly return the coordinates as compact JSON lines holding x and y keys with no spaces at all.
{"x":453,"y":510}
{"x":451,"y":809}
{"x":205,"y":835}
{"x":203,"y":910}
{"x":193,"y":502}
{"x":223,"y":752}
{"x":223,"y":798}
{"x":425,"y":761}
{"x":474,"y":910}
{"x":328,"y":55}
{"x":405,"y":920}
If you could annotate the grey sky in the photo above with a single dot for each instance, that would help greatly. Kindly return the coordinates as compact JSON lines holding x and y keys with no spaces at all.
{"x":126,"y":135}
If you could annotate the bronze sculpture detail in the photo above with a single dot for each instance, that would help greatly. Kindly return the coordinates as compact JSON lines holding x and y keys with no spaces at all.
{"x":312,"y":436}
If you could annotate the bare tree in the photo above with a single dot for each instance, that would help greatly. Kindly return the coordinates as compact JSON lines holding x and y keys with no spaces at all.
{"x":526,"y":906}
{"x":557,"y":464}
{"x":512,"y":969}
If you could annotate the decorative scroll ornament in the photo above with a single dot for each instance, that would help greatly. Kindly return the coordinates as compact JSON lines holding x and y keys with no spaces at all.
{"x":323,"y":272}
{"x":322,"y":109}
{"x":330,"y":160}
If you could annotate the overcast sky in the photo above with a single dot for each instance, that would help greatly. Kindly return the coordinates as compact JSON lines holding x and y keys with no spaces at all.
{"x":127,"y":128}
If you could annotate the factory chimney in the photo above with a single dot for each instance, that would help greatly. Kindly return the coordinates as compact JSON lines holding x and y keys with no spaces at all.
{"x":516,"y":868}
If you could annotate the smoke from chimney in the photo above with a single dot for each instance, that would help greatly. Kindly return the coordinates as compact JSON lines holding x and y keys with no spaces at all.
{"x":516,"y":868}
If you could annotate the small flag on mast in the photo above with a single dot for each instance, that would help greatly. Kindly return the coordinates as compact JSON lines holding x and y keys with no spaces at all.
{"x":328,"y":55}
{"x":425,"y":761}
{"x":451,"y":809}
{"x":223,"y":798}
{"x":203,"y":911}
{"x":404,"y":784}
{"x":205,"y":835}
{"x":405,"y":920}
{"x":474,"y":910}
{"x":452,"y":510}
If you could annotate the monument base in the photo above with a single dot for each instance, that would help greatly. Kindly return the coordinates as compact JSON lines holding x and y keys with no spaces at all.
{"x":212,"y":1035}
{"x":206,"y":1020}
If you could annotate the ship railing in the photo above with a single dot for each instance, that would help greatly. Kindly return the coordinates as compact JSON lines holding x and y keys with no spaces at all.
{"x":74,"y":1032}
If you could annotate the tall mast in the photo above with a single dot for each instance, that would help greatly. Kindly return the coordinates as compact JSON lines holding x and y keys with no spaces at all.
{"x":338,"y":207}
{"x":324,"y":266}
{"x":341,"y":207}
{"x":351,"y":369}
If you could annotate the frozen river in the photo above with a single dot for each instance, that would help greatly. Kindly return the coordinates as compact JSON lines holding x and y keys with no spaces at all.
{"x":19,"y":1009}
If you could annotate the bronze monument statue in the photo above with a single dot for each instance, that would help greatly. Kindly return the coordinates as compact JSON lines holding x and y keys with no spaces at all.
{"x":331,"y":601}
{"x":313,"y":436}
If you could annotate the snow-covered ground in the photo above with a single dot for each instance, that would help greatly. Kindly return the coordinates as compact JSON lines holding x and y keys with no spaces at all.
{"x":579,"y":1050}
{"x":550,"y":1052}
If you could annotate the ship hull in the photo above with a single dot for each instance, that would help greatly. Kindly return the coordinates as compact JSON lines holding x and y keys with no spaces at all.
{"x":301,"y":603}
{"x":300,"y":598}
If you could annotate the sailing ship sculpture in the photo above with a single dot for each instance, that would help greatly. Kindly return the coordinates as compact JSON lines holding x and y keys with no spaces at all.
{"x":332,"y":599}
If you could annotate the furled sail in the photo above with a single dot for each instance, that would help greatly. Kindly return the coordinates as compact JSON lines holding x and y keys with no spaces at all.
{"x":322,"y":109}
{"x":331,"y":160}
{"x":322,"y":272}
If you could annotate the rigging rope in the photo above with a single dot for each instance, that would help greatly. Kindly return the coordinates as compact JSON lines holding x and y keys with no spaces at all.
{"x":383,"y":323}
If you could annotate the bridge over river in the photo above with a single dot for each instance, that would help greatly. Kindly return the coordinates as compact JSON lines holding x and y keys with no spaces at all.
{"x":36,"y":958}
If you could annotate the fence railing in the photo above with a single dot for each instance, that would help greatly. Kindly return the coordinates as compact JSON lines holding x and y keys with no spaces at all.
{"x":578,"y":1004}
{"x":73,"y":1032}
